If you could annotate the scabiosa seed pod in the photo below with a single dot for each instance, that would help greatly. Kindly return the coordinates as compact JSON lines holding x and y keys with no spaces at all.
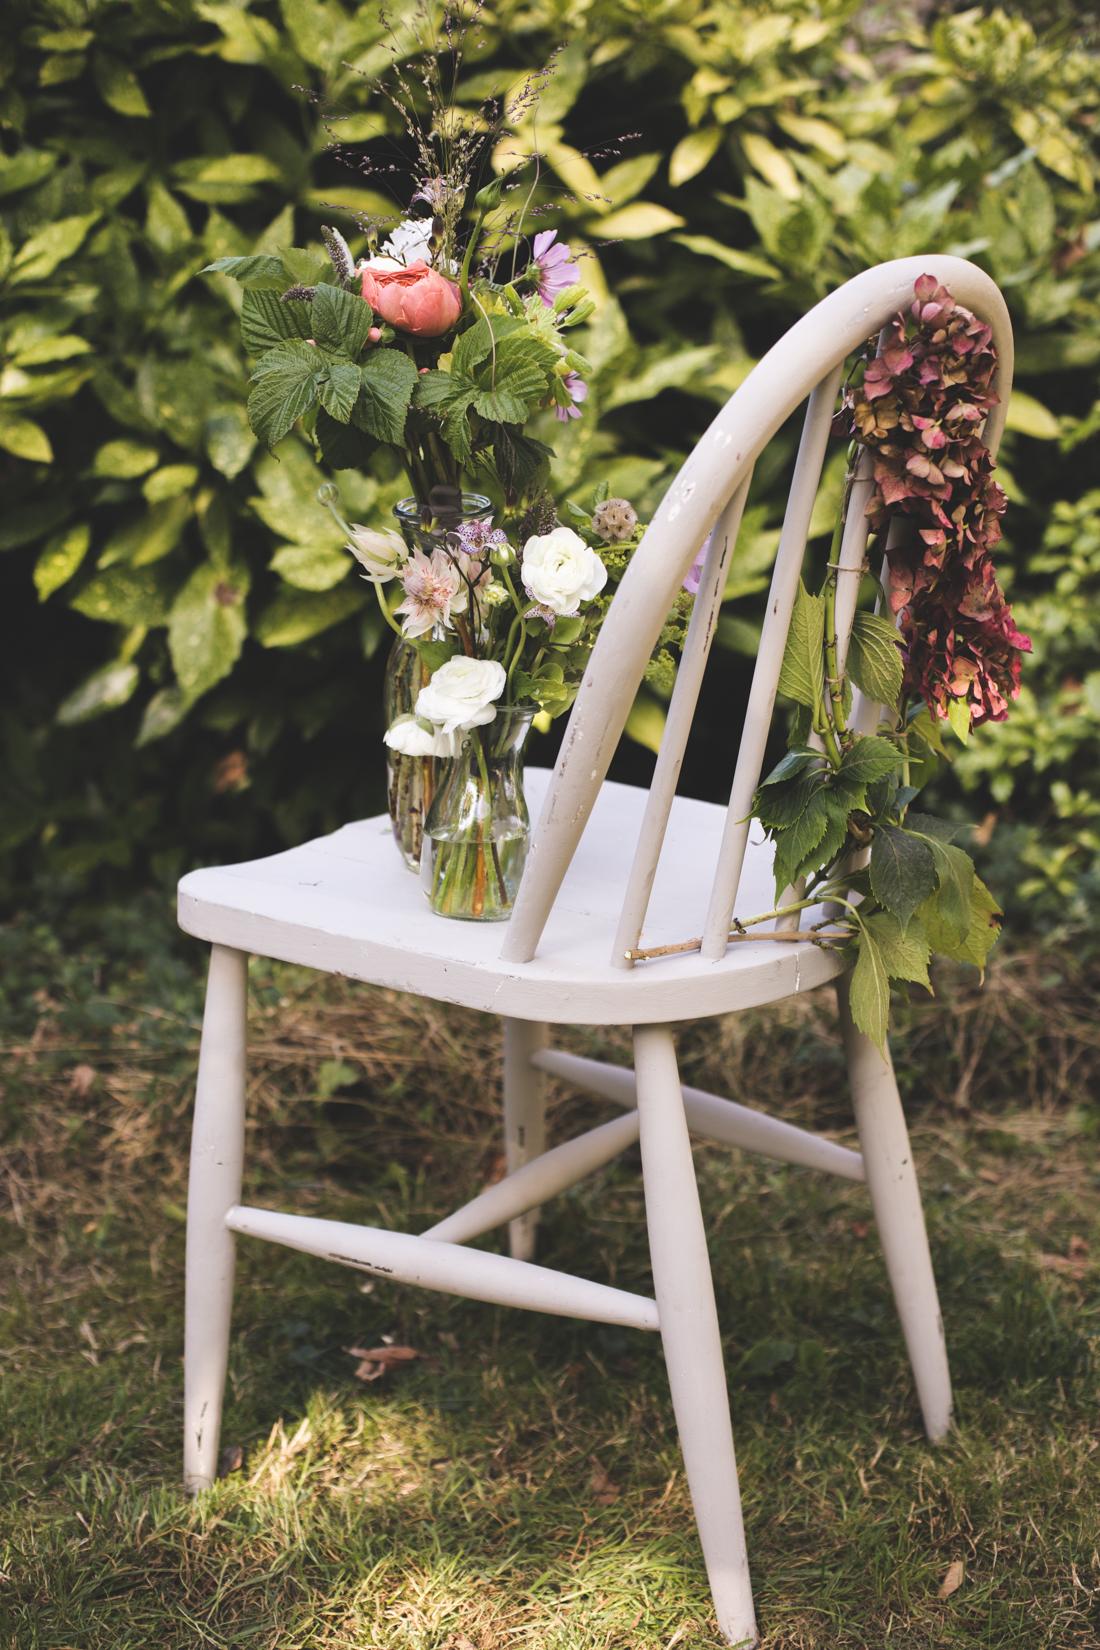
{"x":614,"y":520}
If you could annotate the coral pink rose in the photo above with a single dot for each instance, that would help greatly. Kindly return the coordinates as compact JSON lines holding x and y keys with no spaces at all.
{"x":415,"y":300}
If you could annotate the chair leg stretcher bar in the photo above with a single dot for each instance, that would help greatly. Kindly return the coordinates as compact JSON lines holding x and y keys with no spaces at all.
{"x":447,"y":1268}
{"x":722,"y":1120}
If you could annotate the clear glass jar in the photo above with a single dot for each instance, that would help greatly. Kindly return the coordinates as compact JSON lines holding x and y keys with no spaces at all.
{"x":477,"y":828}
{"x":412,"y":781}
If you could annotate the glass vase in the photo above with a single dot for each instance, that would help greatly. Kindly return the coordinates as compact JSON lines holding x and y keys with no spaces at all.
{"x":412,"y":781}
{"x":477,"y":829}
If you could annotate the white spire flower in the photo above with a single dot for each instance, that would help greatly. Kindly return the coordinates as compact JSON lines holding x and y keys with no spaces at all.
{"x":383,"y":554}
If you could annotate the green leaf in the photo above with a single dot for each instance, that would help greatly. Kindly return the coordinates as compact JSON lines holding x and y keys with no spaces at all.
{"x":944,"y":830}
{"x":127,"y":595}
{"x":286,"y":381}
{"x":230,"y":442}
{"x":266,"y":322}
{"x":869,"y":993}
{"x":388,"y":378}
{"x":341,"y":321}
{"x":435,"y":653}
{"x":958,"y":714}
{"x":169,"y":482}
{"x":744,"y":263}
{"x":476,"y":344}
{"x":41,"y":255}
{"x":151,"y":537}
{"x":902,"y":871}
{"x":25,"y":439}
{"x":310,"y":566}
{"x":343,"y":446}
{"x":165,"y":711}
{"x":780,"y":804}
{"x":904,"y":952}
{"x":980,"y":936}
{"x":513,"y":394}
{"x":105,"y":689}
{"x":125,"y":460}
{"x":435,"y":389}
{"x":340,"y":389}
{"x":765,"y":1356}
{"x":259,"y":272}
{"x":32,"y":521}
{"x":802,"y":677}
{"x":955,"y":876}
{"x":119,"y":87}
{"x":798,"y":840}
{"x":870,"y":758}
{"x":305,"y":268}
{"x":874,"y":658}
{"x":61,"y":559}
{"x":25,"y":169}
{"x":207,"y":627}
{"x":296,"y":616}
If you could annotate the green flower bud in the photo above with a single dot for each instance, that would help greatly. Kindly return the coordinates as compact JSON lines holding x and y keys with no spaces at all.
{"x":502,"y":555}
{"x":328,"y":494}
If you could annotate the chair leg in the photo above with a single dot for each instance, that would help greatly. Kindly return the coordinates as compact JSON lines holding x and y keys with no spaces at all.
{"x":689,"y":1330}
{"x":524,"y":1118}
{"x":895,"y":1199}
{"x":217,"y":1159}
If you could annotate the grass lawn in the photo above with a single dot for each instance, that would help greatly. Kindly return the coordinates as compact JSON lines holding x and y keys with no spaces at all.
{"x":519,"y":1482}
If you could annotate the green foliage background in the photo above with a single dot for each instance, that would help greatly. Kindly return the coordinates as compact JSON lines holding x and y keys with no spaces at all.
{"x":191,"y":670}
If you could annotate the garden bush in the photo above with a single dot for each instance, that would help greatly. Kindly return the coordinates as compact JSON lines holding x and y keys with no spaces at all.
{"x":192,"y":674}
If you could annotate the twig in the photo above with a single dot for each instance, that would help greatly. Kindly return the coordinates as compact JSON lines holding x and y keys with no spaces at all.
{"x":801,"y":936}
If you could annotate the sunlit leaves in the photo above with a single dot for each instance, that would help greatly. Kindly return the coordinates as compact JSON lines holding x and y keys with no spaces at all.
{"x":874,"y":658}
{"x":802,"y":677}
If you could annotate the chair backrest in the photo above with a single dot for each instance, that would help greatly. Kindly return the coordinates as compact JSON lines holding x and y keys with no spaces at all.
{"x":709,"y":492}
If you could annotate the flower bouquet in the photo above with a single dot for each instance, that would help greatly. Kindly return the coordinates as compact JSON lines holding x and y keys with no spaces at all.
{"x":897,"y":886}
{"x":441,"y":345}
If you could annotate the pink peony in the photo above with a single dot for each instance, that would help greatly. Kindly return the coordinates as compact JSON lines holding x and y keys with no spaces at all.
{"x":415,"y":300}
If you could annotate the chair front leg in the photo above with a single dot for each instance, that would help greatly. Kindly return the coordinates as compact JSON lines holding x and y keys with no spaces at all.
{"x":217,"y":1160}
{"x":524,"y":1118}
{"x":689,"y":1330}
{"x":895,"y":1199}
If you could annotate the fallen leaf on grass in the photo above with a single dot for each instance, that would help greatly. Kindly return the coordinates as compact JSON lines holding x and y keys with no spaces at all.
{"x":459,"y":1641}
{"x":230,"y":1460}
{"x":952,"y":1581}
{"x":378,"y":1359}
{"x":859,"y":1229}
{"x":81,"y":1079}
{"x":604,"y":1489}
{"x":1073,"y":1265}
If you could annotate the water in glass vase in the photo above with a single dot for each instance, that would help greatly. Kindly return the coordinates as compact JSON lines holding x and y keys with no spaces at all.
{"x":477,"y":829}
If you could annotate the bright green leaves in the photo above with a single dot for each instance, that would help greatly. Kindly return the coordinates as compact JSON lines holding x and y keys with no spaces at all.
{"x":802,"y":677}
{"x":339,"y":391}
{"x":266,"y":322}
{"x":869,"y":991}
{"x":388,"y":380}
{"x":341,"y":321}
{"x":287,"y":382}
{"x":207,"y":627}
{"x":874,"y":658}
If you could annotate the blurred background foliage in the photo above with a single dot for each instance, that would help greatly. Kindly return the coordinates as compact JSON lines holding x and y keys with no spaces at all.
{"x":192,"y":672}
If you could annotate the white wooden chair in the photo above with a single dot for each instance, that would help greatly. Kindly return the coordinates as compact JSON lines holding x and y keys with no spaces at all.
{"x":345,"y":904}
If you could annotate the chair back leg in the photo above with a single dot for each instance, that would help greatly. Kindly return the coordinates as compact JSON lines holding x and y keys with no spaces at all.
{"x":895,"y":1199}
{"x":217,"y":1161}
{"x":689,"y":1330}
{"x":524,"y":1118}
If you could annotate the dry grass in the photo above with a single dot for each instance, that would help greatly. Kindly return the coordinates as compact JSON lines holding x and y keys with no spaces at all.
{"x":520,"y":1484}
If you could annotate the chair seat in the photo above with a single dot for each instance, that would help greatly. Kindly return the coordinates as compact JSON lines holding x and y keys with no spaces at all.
{"x":346,"y":905}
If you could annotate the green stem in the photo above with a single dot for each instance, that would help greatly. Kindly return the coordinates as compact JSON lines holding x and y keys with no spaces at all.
{"x":464,"y":277}
{"x":379,"y":591}
{"x":521,"y":621}
{"x":834,"y":684}
{"x":480,"y":748}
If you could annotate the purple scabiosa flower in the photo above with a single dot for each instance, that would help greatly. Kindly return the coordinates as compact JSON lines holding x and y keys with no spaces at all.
{"x":550,"y":268}
{"x":578,"y":389}
{"x":695,"y":571}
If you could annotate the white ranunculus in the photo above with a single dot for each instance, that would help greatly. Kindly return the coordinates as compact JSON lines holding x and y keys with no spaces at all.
{"x":409,"y":241}
{"x":561,"y":571}
{"x":408,"y":737}
{"x":383,"y":554}
{"x":461,"y":693}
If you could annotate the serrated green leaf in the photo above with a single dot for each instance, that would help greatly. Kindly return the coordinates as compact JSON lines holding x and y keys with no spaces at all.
{"x":343,"y":446}
{"x":904,"y":952}
{"x":874,"y":658}
{"x":128,"y":595}
{"x":944,"y":830}
{"x":105,"y":689}
{"x":297,"y":615}
{"x":286,"y":385}
{"x":476,"y":344}
{"x":207,"y":626}
{"x":980,"y":936}
{"x":778,"y":806}
{"x":799,"y":839}
{"x":513,"y":393}
{"x":388,"y":379}
{"x":870,"y":758}
{"x":869,"y":992}
{"x":259,"y":272}
{"x":340,"y":389}
{"x":302,"y":267}
{"x":341,"y":321}
{"x":958,"y":714}
{"x":266,"y":322}
{"x":955,"y":878}
{"x":435,"y":389}
{"x":902,"y":871}
{"x":802,"y":677}
{"x":61,"y":559}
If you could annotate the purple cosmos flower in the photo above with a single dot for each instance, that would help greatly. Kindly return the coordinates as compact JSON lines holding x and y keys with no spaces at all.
{"x":578,"y":389}
{"x":695,"y":571}
{"x":552,"y":271}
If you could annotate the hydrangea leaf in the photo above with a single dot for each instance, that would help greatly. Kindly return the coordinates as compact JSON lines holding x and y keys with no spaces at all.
{"x":980,"y":936}
{"x":869,"y":993}
{"x":905,"y":951}
{"x":874,"y":658}
{"x":902,"y":871}
{"x":802,"y":677}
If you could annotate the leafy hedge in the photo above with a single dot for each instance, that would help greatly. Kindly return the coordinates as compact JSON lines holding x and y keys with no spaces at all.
{"x":192,"y":670}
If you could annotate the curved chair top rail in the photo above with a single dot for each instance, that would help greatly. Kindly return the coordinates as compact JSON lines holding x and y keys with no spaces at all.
{"x":714,"y":479}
